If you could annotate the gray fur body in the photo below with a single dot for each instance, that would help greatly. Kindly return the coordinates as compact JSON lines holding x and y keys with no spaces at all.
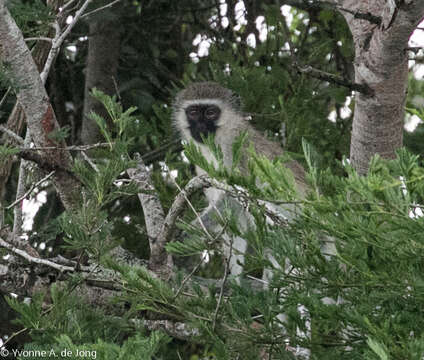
{"x":231,"y":123}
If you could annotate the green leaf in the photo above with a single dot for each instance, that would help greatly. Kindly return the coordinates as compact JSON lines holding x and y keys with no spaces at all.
{"x":379,"y":349}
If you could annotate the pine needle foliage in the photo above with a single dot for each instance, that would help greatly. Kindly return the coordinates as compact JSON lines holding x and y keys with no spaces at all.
{"x":346,"y":269}
{"x":350,"y":259}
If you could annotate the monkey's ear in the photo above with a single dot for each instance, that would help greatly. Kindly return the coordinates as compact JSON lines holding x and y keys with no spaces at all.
{"x":236,"y":101}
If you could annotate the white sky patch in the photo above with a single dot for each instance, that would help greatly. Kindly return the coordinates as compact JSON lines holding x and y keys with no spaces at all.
{"x":225,"y":22}
{"x":417,"y":40}
{"x":403,"y":185}
{"x":72,"y":48}
{"x":30,"y":208}
{"x":213,"y":21}
{"x":71,"y":52}
{"x":251,"y":40}
{"x":332,"y":116}
{"x":411,"y":122}
{"x":183,"y":156}
{"x":416,"y":213}
{"x":206,"y":256}
{"x":166,"y":172}
{"x":418,"y":70}
{"x":223,"y":8}
{"x":203,"y":48}
{"x":194,"y":57}
{"x":69,"y":19}
{"x":197,"y":40}
{"x":345,"y":111}
{"x":286,"y":11}
{"x":240,"y":14}
{"x":262,"y":28}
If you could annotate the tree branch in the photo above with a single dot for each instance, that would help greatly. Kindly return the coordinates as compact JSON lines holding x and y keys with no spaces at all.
{"x":59,"y":38}
{"x":34,"y":259}
{"x":33,"y":186}
{"x":12,"y":135}
{"x":32,"y":96}
{"x":321,"y":75}
{"x":153,"y":214}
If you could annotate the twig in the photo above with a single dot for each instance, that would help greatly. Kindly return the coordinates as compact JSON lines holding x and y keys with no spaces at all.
{"x":64,"y":7}
{"x":362,"y":16}
{"x":188,"y":278}
{"x":257,"y":279}
{"x":18,"y":200}
{"x":33,"y":259}
{"x":20,"y":191}
{"x":178,"y":330}
{"x":177,"y":207}
{"x":40,"y":38}
{"x":92,"y":164}
{"x":335,"y":79}
{"x":314,"y":5}
{"x":52,"y":53}
{"x":183,"y":193}
{"x":224,"y":280}
{"x":44,"y":164}
{"x":3,"y":99}
{"x":414,"y":49}
{"x":59,"y":38}
{"x":67,"y":148}
{"x":118,"y":94}
{"x":11,"y":134}
{"x":100,"y":9}
{"x":321,"y":75}
{"x":15,"y":334}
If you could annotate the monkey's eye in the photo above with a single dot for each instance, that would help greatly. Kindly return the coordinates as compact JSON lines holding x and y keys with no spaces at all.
{"x":193,"y":112}
{"x":211,"y":112}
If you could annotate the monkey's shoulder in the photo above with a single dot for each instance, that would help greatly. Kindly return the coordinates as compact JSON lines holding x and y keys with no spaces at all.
{"x":263,"y":145}
{"x":272,"y":150}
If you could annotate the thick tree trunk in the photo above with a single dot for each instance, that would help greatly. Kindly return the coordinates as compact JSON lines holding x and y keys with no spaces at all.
{"x":101,"y":70}
{"x":381,"y":63}
{"x":16,"y":119}
{"x":40,"y":117}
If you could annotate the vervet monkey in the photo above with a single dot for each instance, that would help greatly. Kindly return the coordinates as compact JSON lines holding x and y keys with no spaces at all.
{"x":206,"y":108}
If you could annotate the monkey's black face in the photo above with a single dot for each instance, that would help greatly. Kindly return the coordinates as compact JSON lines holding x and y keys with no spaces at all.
{"x":202,"y":120}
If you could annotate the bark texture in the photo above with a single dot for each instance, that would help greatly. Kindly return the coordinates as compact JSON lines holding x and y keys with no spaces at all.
{"x":102,"y":65}
{"x":381,"y":63}
{"x":32,"y":96}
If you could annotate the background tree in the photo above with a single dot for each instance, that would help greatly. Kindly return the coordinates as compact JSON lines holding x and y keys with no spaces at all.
{"x":305,"y":71}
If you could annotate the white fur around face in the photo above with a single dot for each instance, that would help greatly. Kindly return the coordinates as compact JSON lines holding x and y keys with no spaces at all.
{"x":226,"y":119}
{"x":216,"y":102}
{"x":229,"y":126}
